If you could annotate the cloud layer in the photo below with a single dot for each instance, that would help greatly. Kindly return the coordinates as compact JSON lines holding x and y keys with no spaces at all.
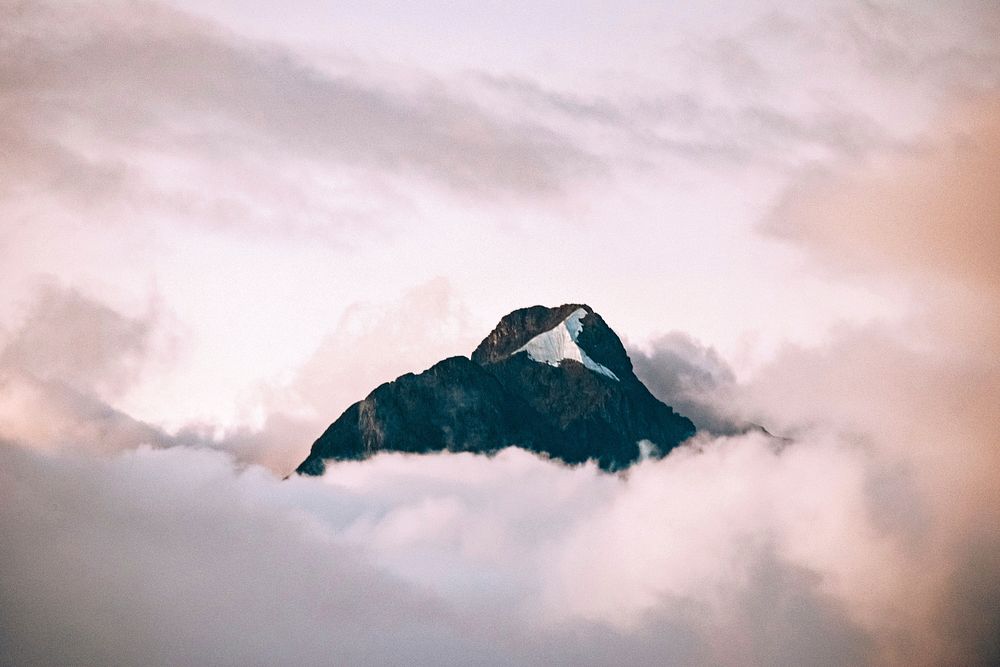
{"x":450,"y":559}
{"x":141,"y":76}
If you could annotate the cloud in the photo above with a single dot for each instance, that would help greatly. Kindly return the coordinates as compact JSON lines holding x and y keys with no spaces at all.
{"x":51,"y":416}
{"x":450,"y":559}
{"x":694,"y":128}
{"x":161,"y":554}
{"x":926,"y":219}
{"x":71,"y":358}
{"x":81,"y":342}
{"x":692,"y":379}
{"x":64,"y":364}
{"x":928,"y":214}
{"x":371,"y":343}
{"x":133,"y":106}
{"x":374,"y":343}
{"x":782,"y":86}
{"x":926,"y":222}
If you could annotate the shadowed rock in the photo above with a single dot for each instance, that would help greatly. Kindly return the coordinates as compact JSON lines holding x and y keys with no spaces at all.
{"x":554,"y":405}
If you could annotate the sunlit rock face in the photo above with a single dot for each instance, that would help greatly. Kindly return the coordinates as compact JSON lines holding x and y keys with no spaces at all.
{"x":556,"y":381}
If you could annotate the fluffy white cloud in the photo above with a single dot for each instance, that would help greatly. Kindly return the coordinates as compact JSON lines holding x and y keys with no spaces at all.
{"x":166,"y":556}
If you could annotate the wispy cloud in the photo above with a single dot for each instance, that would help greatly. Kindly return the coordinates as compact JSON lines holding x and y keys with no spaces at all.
{"x":106,"y":100}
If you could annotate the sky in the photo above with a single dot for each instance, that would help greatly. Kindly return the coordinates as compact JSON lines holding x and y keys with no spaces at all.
{"x":223,"y":222}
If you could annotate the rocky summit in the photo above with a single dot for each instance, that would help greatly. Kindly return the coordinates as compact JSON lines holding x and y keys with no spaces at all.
{"x":556,"y":381}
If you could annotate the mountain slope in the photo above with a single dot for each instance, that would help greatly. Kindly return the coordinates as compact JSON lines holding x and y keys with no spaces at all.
{"x":556,"y":381}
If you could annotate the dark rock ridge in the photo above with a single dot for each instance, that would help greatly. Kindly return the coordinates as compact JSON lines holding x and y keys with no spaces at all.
{"x":568,"y":409}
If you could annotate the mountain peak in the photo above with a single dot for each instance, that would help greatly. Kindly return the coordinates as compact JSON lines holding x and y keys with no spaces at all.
{"x":594,"y":337}
{"x":561,"y":343}
{"x":556,"y":381}
{"x":516,"y":328}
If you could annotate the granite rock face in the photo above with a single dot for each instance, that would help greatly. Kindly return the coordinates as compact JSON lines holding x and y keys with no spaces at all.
{"x":556,"y":381}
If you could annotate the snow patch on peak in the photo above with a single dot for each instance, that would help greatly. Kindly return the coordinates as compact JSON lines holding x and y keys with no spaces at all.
{"x":559,"y":343}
